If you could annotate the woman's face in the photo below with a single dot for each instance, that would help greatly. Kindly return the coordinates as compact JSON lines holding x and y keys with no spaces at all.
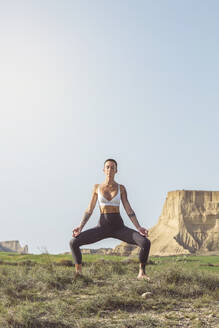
{"x":110,"y":169}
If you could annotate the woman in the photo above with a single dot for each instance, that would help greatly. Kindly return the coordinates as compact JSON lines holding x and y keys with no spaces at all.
{"x":110,"y":224}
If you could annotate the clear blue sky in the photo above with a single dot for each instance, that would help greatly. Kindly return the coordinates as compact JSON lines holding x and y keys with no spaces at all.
{"x":82,"y":81}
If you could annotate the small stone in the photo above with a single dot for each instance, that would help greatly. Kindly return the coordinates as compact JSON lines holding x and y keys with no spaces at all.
{"x":146,"y":295}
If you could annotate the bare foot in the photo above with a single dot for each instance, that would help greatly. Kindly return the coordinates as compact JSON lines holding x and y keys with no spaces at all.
{"x":77,"y":274}
{"x":143,"y":276}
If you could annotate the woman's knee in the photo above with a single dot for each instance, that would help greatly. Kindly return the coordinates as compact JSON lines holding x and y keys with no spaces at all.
{"x":146,"y":243}
{"x":73,"y":243}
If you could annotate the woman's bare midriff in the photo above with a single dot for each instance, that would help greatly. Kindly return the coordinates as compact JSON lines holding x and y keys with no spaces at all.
{"x":109,"y":209}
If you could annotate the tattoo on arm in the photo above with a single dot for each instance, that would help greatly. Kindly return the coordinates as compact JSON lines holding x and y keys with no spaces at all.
{"x":134,"y":219}
{"x":85,"y":219}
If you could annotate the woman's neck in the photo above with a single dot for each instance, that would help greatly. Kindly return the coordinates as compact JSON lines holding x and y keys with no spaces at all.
{"x":109,"y":181}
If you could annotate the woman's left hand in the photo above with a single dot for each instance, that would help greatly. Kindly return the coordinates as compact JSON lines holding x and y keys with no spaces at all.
{"x":143,"y":231}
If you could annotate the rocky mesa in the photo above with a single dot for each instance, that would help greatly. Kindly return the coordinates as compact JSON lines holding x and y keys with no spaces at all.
{"x":189,"y":223}
{"x":13,"y":246}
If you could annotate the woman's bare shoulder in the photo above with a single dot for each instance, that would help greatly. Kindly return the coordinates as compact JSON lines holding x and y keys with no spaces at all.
{"x":122,"y":188}
{"x":96,"y":187}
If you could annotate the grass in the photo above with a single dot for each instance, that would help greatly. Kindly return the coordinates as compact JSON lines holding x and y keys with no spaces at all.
{"x":42,"y":291}
{"x":43,"y":258}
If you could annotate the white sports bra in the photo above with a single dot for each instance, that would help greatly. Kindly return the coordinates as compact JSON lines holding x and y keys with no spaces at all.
{"x":115,"y":201}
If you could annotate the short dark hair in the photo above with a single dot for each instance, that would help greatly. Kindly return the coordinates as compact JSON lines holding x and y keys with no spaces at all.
{"x":112,"y":160}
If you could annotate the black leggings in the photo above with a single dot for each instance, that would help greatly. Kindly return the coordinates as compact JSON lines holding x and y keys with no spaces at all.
{"x":110,"y":225}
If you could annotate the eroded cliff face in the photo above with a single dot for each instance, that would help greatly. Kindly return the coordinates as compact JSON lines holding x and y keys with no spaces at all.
{"x":189,"y":223}
{"x":13,"y":246}
{"x":104,"y":251}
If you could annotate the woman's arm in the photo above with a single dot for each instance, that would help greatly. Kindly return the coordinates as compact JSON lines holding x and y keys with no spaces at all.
{"x":90,"y":208}
{"x":88,"y":212}
{"x":130,"y":211}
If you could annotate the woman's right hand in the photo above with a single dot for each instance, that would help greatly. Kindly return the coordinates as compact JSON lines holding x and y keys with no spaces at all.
{"x":76,"y":231}
{"x":143,"y":231}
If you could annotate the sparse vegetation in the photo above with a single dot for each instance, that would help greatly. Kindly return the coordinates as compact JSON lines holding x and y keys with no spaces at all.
{"x":42,"y":291}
